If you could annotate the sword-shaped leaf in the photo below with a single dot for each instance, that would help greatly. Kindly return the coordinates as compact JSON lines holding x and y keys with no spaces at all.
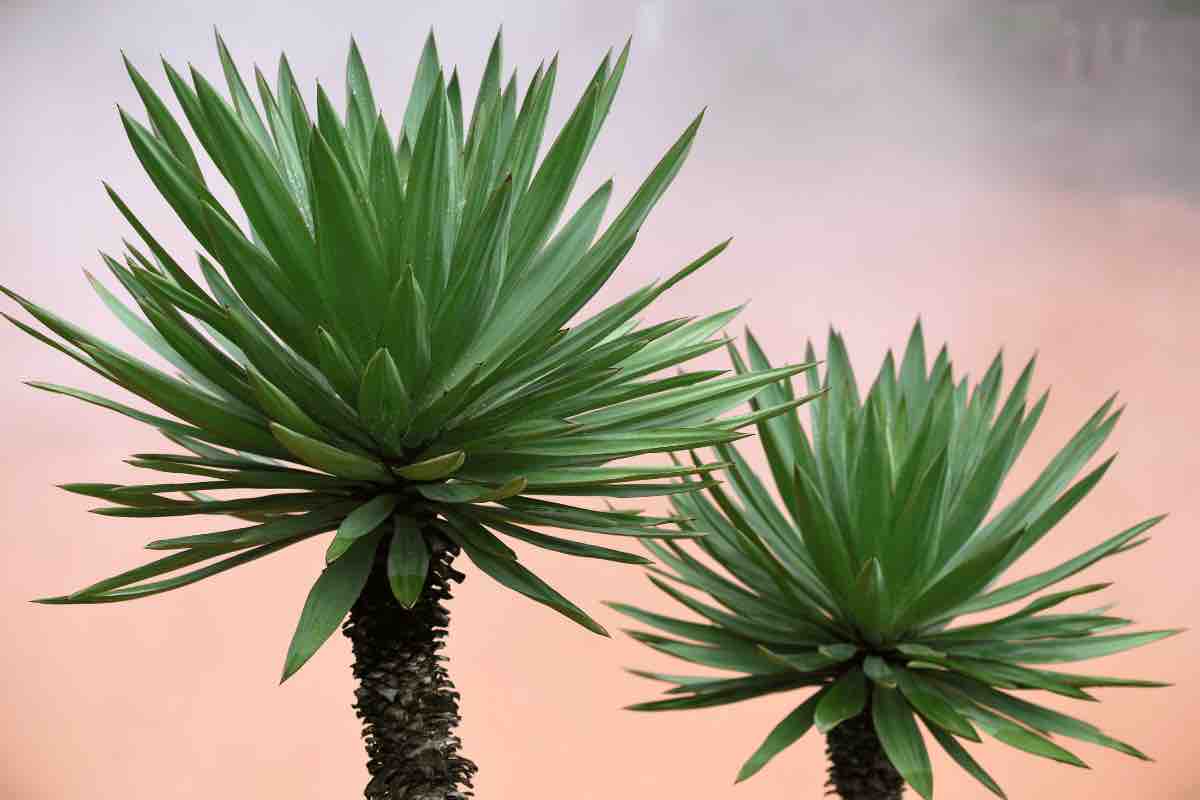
{"x":328,"y":602}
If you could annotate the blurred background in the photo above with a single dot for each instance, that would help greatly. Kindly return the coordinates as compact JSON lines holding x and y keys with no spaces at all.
{"x":1022,"y":175}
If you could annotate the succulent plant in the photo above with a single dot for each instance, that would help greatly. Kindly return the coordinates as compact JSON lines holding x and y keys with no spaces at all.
{"x":390,"y":349}
{"x":861,"y":585}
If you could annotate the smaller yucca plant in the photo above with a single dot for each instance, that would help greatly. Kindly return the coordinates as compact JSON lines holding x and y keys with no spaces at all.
{"x":885,"y":540}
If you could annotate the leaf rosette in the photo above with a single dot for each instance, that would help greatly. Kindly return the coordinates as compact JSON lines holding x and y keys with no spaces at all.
{"x":392,"y":346}
{"x":861,"y":583}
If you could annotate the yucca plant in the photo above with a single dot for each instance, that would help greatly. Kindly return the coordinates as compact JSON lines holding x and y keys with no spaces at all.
{"x":387,"y":350}
{"x":861,"y":585}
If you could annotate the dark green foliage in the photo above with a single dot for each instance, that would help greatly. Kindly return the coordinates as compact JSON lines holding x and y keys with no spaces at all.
{"x":391,"y":342}
{"x":860,"y":582}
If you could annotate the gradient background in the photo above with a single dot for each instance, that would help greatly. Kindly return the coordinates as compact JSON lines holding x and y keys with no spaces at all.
{"x":868,"y":179}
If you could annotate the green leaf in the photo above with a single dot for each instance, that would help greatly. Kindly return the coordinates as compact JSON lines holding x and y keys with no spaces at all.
{"x":1037,"y":499}
{"x":912,"y":368}
{"x":260,"y":286}
{"x":359,"y":522}
{"x":844,"y":700}
{"x":1016,"y":736}
{"x":241,"y":97}
{"x":273,"y":503}
{"x":915,"y":528}
{"x":1041,"y":718}
{"x":336,"y":366}
{"x":470,"y":493}
{"x":901,"y":740}
{"x":408,"y":561}
{"x":521,"y":138}
{"x":434,"y":468}
{"x":405,"y":332}
{"x":1056,"y":651}
{"x":161,"y":423}
{"x":178,"y":186}
{"x":516,"y":577}
{"x":278,"y":406}
{"x":1035,"y":583}
{"x":140,"y":590}
{"x":328,"y":458}
{"x":163,"y":258}
{"x":881,"y":671}
{"x":872,"y":482}
{"x":974,"y":499}
{"x":958,"y":583}
{"x":428,"y":70}
{"x":430,"y":214}
{"x":735,"y":691}
{"x":542,"y":512}
{"x":163,"y":123}
{"x":344,"y":234}
{"x":619,"y":444}
{"x":292,"y":160}
{"x":934,"y":706}
{"x":964,"y":759}
{"x":360,"y":100}
{"x":387,"y":198}
{"x":566,"y":546}
{"x":299,"y":380}
{"x":341,"y":141}
{"x":289,"y":527}
{"x":1008,"y":676}
{"x":1004,"y":626}
{"x":184,"y":401}
{"x":153,"y":569}
{"x":811,"y":660}
{"x":546,"y":286}
{"x":707,"y":634}
{"x":782,"y":736}
{"x":477,"y":268}
{"x":870,"y":600}
{"x":568,"y":478}
{"x":542,"y":204}
{"x":383,"y":401}
{"x":698,"y":403}
{"x":329,"y":601}
{"x":467,"y":531}
{"x":242,"y":152}
{"x":822,"y":536}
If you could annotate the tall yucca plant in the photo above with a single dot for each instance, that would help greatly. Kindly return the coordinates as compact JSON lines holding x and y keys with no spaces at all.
{"x":857,"y":584}
{"x":387,"y":351}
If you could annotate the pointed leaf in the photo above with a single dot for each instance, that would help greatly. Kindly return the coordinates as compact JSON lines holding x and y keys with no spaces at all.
{"x":901,"y":740}
{"x":408,"y":561}
{"x":329,"y":601}
{"x":844,"y":700}
{"x":782,"y":736}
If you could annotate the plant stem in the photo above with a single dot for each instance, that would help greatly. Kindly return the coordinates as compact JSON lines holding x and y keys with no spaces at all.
{"x":405,"y":699}
{"x":858,"y":767}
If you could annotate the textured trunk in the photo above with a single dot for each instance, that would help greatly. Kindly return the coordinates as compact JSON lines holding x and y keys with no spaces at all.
{"x":858,"y":767}
{"x":405,"y":699}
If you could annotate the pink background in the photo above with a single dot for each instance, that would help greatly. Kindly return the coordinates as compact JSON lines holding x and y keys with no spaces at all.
{"x":847,"y":165}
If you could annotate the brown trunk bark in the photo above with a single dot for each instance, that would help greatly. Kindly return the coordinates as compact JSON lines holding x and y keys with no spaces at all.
{"x":858,"y":767}
{"x":407,"y":704}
